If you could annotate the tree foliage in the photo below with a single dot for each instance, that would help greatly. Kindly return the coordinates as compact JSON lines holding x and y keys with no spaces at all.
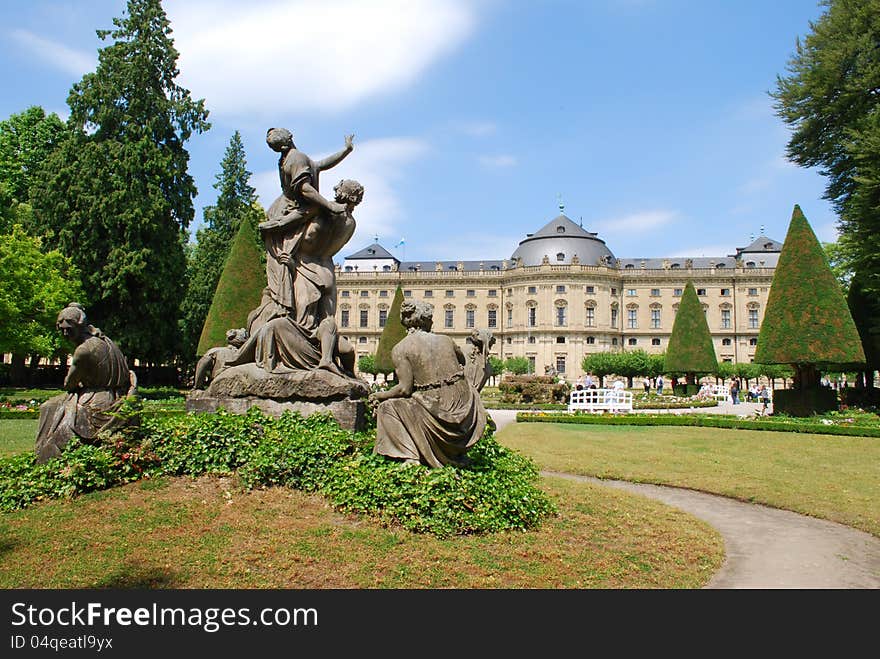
{"x":807,"y":322}
{"x":236,"y":201}
{"x":690,"y":348}
{"x":367,"y":363}
{"x":239,"y":290}
{"x":116,"y":195}
{"x":517,"y":365}
{"x":393,"y":332}
{"x":36,"y":286}
{"x":830,"y":99}
{"x":601,"y":364}
{"x":26,"y":140}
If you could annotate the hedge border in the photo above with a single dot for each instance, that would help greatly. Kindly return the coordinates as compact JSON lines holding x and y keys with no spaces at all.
{"x":719,"y":422}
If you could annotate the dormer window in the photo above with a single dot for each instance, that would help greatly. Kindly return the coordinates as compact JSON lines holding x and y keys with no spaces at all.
{"x":452,"y":267}
{"x":768,"y":245}
{"x":560,"y":256}
{"x":629,"y":266}
{"x":720,"y":265}
{"x":675,"y":266}
{"x":750,"y":264}
{"x":560,"y":229}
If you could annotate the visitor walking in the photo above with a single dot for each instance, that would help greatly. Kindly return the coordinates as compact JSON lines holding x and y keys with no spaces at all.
{"x":734,"y":391}
{"x":659,"y":385}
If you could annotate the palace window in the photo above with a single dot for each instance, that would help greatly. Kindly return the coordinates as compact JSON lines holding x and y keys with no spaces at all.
{"x":383,"y":293}
{"x":655,"y":342}
{"x":655,"y":292}
{"x":725,"y":319}
{"x":725,"y":292}
{"x":632,"y":342}
{"x":429,"y":293}
{"x":471,"y":292}
{"x":407,"y":294}
{"x":365,"y":293}
{"x":383,"y":317}
{"x":753,"y":292}
{"x":560,"y":316}
{"x":362,"y":339}
{"x":560,"y":339}
{"x":753,"y":319}
{"x":450,"y":293}
{"x":510,"y":316}
{"x":533,"y":290}
{"x":533,"y":316}
{"x":655,"y":318}
{"x":591,"y":317}
{"x":725,"y":342}
{"x":632,"y":318}
{"x":560,"y":363}
{"x":753,"y":342}
{"x":560,"y":289}
{"x":677,"y":292}
{"x":631,"y":292}
{"x":614,"y":318}
{"x":701,"y":291}
{"x":343,"y":318}
{"x":590,"y":290}
{"x":469,"y":318}
{"x":531,"y":339}
{"x":449,"y":319}
{"x":591,"y":340}
{"x":493,"y":292}
{"x":346,"y":293}
{"x":492,"y":320}
{"x":365,"y":317}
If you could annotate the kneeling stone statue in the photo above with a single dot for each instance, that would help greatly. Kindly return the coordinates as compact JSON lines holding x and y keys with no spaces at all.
{"x":434,"y":414}
{"x":96,"y":383}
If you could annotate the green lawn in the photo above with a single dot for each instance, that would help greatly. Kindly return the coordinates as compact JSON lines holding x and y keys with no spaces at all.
{"x":834,"y":478}
{"x":17,"y":435}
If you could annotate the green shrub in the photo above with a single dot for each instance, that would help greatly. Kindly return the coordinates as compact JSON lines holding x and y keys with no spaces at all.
{"x":495,"y":492}
{"x":533,"y":389}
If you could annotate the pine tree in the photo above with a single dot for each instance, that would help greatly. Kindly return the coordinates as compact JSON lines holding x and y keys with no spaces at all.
{"x":236,"y":201}
{"x":865,"y":310}
{"x":807,"y":323}
{"x":690,"y":349}
{"x":239,"y":290}
{"x":392,"y":334}
{"x":116,"y":194}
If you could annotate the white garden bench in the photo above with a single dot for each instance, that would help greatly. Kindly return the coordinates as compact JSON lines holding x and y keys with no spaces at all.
{"x":600,"y":400}
{"x":720,"y":392}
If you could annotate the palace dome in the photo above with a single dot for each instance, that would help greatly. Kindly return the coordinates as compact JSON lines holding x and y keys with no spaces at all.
{"x":560,"y":240}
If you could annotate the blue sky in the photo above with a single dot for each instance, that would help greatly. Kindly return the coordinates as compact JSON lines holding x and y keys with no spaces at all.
{"x":650,"y":119}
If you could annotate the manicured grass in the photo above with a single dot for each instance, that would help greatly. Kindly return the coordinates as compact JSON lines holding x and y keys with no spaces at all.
{"x":200,"y":533}
{"x":830,"y":477}
{"x":17,"y":436}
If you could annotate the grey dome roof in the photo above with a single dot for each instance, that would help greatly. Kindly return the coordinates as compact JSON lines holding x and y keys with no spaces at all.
{"x":559,"y":240}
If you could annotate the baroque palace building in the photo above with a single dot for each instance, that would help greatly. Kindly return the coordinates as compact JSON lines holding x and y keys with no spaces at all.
{"x":562,"y":295}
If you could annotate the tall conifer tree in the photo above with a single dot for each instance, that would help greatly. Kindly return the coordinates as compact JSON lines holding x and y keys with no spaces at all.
{"x":392,"y":334}
{"x":807,"y":323}
{"x":117,"y":196}
{"x":690,"y":349}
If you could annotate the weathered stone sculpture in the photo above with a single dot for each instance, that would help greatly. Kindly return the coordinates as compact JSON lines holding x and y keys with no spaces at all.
{"x":96,"y":383}
{"x":213,"y":362}
{"x":294,"y":353}
{"x":434,"y":414}
{"x":478,"y":370}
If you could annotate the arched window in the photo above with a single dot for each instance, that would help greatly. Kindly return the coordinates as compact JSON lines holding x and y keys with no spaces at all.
{"x":560,"y":256}
{"x":629,"y":266}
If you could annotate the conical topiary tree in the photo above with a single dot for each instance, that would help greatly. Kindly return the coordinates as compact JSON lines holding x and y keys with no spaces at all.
{"x":239,"y":290}
{"x":690,"y":349}
{"x":807,"y":323}
{"x":392,"y":334}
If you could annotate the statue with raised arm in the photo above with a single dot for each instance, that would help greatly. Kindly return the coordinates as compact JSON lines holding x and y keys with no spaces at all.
{"x":434,"y":414}
{"x":96,"y":383}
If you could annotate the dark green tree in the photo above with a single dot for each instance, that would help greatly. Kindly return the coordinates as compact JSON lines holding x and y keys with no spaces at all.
{"x":367,"y":364}
{"x":496,"y":364}
{"x":236,"y":200}
{"x":26,"y":140}
{"x":690,"y":349}
{"x":239,"y":290}
{"x":116,"y":195}
{"x":865,"y":310}
{"x":632,"y":363}
{"x":36,"y":286}
{"x":392,"y":334}
{"x":830,"y":99}
{"x":807,"y":323}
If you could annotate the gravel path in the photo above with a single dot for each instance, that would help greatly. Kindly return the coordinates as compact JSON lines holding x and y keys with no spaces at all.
{"x":765,"y":547}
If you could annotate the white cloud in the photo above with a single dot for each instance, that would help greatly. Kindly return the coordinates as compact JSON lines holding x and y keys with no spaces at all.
{"x":284,"y":56}
{"x":501,"y":160}
{"x":378,"y":165}
{"x":55,"y":54}
{"x":476,"y":128}
{"x":641,"y":221}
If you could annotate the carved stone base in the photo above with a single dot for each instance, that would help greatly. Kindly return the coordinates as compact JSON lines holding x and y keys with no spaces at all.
{"x":348,"y":413}
{"x":249,"y":380}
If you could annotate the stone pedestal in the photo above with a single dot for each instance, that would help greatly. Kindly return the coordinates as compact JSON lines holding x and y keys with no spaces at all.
{"x":348,"y":413}
{"x":240,"y":388}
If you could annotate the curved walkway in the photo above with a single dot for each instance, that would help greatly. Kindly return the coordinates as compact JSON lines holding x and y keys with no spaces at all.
{"x":765,"y":547}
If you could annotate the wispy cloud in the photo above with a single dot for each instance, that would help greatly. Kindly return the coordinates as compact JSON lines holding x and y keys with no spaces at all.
{"x":476,"y":128}
{"x":640,"y":221}
{"x":55,"y":54}
{"x":284,"y":56}
{"x":379,"y":165}
{"x":497,"y":161}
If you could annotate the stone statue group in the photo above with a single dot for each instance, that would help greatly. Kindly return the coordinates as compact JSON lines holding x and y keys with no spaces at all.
{"x":291,"y":348}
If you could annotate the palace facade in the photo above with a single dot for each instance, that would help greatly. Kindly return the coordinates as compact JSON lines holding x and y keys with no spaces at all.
{"x":562,"y":295}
